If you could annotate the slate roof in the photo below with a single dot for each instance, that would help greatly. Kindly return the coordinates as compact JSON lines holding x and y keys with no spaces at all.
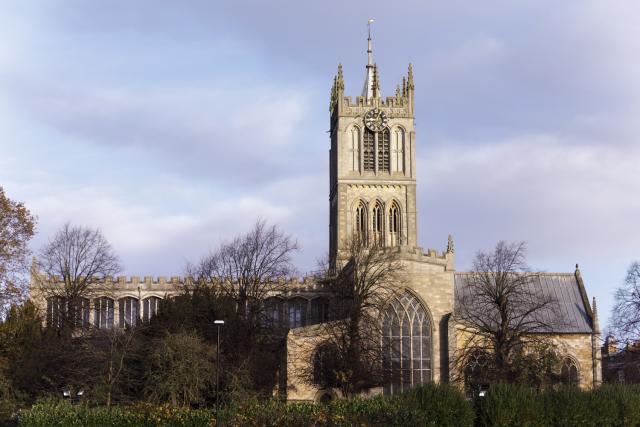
{"x":573,"y":312}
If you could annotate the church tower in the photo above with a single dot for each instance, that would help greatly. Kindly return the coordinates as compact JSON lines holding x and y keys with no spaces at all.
{"x":372,"y":163}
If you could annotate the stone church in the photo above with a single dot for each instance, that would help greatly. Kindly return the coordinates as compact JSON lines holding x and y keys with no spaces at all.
{"x":372,"y":192}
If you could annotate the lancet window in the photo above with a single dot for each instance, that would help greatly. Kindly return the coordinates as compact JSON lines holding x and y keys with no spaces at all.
{"x":406,"y":344}
{"x":377,"y":223}
{"x":82,"y":313}
{"x":355,"y":149}
{"x":369,"y":151}
{"x":103,"y":313}
{"x":128,"y":310}
{"x":150,"y":307}
{"x":394,"y":225}
{"x":383,"y":151}
{"x":361,"y":220}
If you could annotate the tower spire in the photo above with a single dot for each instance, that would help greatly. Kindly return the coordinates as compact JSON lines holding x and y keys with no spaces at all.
{"x":368,"y":88}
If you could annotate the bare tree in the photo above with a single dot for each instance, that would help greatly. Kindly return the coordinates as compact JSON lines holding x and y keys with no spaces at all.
{"x":248,"y":268}
{"x":348,"y":348}
{"x":17,"y":227}
{"x":626,"y":311}
{"x":501,"y":316}
{"x":73,"y":268}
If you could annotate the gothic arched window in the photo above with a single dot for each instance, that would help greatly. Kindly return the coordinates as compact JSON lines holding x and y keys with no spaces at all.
{"x":103,"y":313}
{"x":406,"y":344}
{"x":325,"y":365}
{"x":150,"y":307}
{"x":394,"y":225}
{"x":383,"y":151}
{"x":397,"y":150}
{"x":355,"y":149}
{"x":319,"y":310}
{"x":129,"y":309}
{"x":377,"y":223}
{"x":361,"y":220}
{"x":569,"y":372}
{"x":369,"y":150}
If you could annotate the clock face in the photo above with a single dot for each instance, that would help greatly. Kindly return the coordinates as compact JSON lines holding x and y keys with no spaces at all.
{"x":375,"y":119}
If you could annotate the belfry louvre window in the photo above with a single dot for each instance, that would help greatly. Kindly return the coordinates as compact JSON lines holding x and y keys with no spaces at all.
{"x":128,"y":310}
{"x":369,"y":150}
{"x":406,"y":344}
{"x":394,"y":225}
{"x":383,"y":151}
{"x":378,"y":221}
{"x":103,"y":313}
{"x":150,"y":307}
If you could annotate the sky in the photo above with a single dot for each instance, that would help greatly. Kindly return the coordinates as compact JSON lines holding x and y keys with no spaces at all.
{"x":174,"y":126}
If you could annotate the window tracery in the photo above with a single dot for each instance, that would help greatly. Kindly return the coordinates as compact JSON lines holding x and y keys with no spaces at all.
{"x":150,"y":307}
{"x":406,"y":344}
{"x":569,"y":372}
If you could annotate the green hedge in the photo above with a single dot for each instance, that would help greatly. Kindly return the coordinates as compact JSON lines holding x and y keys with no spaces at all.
{"x":607,"y":406}
{"x":431,"y":405}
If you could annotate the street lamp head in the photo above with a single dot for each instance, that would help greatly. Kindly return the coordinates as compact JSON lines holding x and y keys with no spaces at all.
{"x":218,"y":322}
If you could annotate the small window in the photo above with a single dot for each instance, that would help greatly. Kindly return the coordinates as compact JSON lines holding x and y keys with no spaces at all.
{"x":361,"y":220}
{"x":394,"y":225}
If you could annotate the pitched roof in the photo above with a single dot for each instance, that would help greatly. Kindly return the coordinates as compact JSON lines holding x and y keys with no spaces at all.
{"x":572,"y":313}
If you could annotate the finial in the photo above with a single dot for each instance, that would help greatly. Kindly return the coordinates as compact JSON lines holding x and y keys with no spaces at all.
{"x":404,"y":86}
{"x":450,"y":244}
{"x":594,"y":307}
{"x":410,"y":78}
{"x":398,"y":91}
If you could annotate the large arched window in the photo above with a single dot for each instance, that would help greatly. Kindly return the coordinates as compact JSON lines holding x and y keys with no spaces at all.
{"x":103,"y":313}
{"x":355,"y":149}
{"x":406,"y":344}
{"x":297,"y":312}
{"x":369,"y":150}
{"x":383,"y":151}
{"x":569,"y":372}
{"x":150,"y":307}
{"x":361,"y":220}
{"x":128,"y":310}
{"x":394,"y":225}
{"x":397,"y":150}
{"x":377,"y":223}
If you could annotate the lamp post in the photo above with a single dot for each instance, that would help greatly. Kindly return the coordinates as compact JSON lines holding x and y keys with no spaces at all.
{"x":218,"y":323}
